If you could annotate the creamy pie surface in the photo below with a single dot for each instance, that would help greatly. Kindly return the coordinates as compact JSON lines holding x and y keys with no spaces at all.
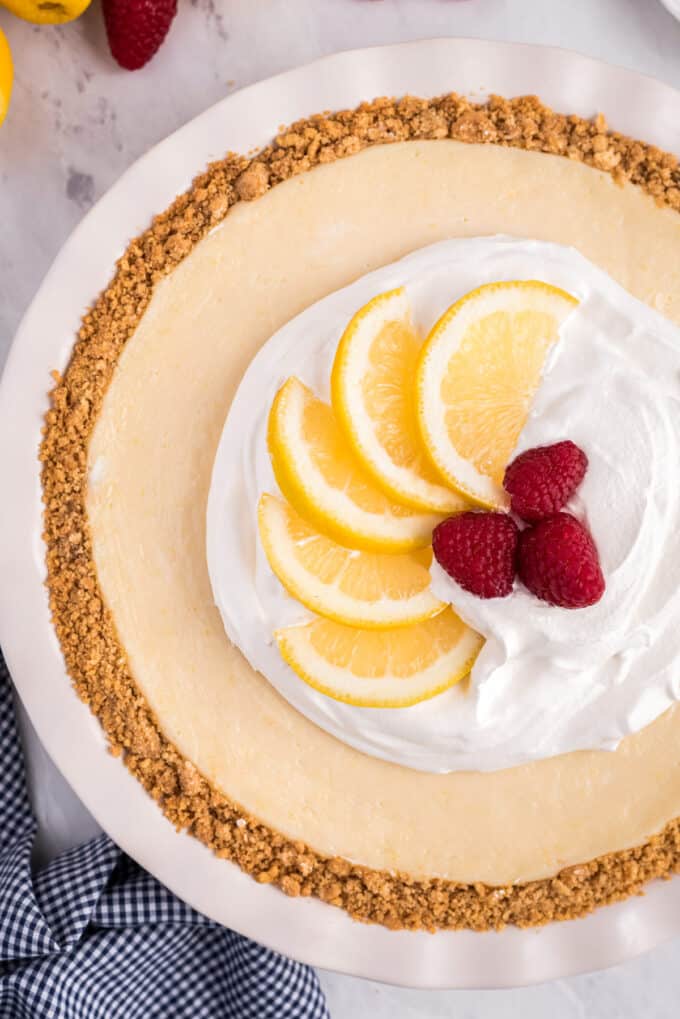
{"x":150,"y":461}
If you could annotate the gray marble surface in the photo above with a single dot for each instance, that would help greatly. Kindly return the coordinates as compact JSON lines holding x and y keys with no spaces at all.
{"x":77,"y":122}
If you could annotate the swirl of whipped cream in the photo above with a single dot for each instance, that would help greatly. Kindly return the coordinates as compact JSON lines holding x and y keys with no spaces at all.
{"x":548,"y":680}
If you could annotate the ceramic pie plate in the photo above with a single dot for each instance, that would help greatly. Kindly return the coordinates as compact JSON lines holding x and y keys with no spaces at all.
{"x":673,"y":7}
{"x":307,"y":929}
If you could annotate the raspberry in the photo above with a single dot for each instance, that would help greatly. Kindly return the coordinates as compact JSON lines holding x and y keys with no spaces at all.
{"x":558,"y":562}
{"x":542,"y":480}
{"x":479,"y":551}
{"x":136,"y":28}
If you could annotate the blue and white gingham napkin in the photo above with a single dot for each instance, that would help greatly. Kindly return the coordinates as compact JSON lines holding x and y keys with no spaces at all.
{"x":93,"y":936}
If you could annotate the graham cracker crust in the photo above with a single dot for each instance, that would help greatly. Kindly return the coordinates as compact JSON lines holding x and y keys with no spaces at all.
{"x":94,"y":656}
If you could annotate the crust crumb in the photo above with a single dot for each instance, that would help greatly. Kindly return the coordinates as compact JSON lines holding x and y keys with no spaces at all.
{"x":253,"y":182}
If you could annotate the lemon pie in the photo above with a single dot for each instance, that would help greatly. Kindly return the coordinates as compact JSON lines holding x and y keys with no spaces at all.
{"x":295,"y":338}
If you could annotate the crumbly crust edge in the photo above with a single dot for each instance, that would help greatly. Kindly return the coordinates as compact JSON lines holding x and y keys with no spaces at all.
{"x":94,"y":657}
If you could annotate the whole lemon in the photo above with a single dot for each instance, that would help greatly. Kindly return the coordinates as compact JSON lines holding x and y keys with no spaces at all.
{"x":6,"y":75}
{"x":46,"y":12}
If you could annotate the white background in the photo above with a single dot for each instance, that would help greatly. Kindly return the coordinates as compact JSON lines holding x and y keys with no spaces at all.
{"x":77,"y":122}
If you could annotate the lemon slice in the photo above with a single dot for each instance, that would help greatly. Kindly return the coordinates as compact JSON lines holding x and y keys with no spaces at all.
{"x":368,"y":589}
{"x":372,"y":396}
{"x":321,"y":478}
{"x":6,"y":75}
{"x":477,"y":374}
{"x":381,"y":668}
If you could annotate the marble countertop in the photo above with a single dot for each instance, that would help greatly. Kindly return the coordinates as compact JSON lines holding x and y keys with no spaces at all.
{"x":77,"y":122}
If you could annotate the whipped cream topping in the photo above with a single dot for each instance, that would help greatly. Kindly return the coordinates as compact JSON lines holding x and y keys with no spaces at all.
{"x":548,"y":680}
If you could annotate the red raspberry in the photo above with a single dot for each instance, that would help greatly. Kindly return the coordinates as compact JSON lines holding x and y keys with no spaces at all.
{"x":542,"y":480}
{"x":136,"y":28}
{"x":479,"y":551}
{"x":558,"y":562}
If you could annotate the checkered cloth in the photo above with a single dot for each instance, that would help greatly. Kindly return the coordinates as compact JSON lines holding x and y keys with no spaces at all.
{"x":92,"y":936}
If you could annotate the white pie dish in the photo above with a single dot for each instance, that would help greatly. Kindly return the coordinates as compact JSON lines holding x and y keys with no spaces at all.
{"x":673,"y":7}
{"x":308,"y":930}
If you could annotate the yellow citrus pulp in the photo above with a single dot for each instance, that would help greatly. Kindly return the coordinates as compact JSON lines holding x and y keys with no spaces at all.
{"x":373,"y":399}
{"x":381,"y":668}
{"x":357,"y":588}
{"x":319,"y":475}
{"x":477,"y":374}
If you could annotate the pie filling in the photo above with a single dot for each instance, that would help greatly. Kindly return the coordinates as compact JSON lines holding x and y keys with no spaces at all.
{"x":430,"y":779}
